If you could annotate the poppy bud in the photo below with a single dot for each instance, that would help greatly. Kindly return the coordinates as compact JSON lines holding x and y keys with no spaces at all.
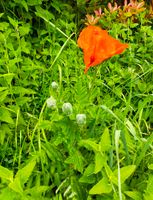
{"x":67,"y":108}
{"x":81,"y":119}
{"x":54,"y":85}
{"x":51,"y":102}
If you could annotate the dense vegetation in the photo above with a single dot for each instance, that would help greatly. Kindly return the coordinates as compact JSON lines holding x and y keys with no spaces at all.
{"x":65,"y":134}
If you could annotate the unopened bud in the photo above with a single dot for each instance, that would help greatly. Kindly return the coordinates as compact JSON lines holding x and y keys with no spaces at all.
{"x":51,"y":102}
{"x":54,"y":85}
{"x":81,"y":119}
{"x":67,"y":108}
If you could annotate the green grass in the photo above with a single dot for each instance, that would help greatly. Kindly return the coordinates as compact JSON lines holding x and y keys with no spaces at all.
{"x":45,"y":152}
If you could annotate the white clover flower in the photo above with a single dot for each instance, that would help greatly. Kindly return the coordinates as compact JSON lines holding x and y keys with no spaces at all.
{"x":67,"y":108}
{"x":54,"y":85}
{"x":51,"y":102}
{"x":81,"y":119}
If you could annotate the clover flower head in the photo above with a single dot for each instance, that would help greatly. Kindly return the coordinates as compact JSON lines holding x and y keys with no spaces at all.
{"x":81,"y":119}
{"x":51,"y":102}
{"x":54,"y":85}
{"x":67,"y":108}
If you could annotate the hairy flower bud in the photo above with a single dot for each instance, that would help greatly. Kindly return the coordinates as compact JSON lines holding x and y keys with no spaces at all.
{"x":54,"y":85}
{"x":67,"y":108}
{"x":51,"y":102}
{"x":81,"y":119}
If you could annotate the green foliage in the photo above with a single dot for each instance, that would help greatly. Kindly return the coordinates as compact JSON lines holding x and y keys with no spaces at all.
{"x":46,"y":154}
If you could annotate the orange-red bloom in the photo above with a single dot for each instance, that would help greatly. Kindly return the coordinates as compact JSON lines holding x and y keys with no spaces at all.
{"x":98,"y":46}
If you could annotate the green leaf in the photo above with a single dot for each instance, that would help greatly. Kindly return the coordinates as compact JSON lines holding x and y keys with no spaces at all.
{"x":89,"y":144}
{"x":22,"y":90}
{"x":77,"y":160}
{"x":24,"y":30}
{"x":24,"y":173}
{"x":105,"y":142}
{"x":100,"y":160}
{"x":34,"y":2}
{"x":6,"y":173}
{"x":125,"y":172}
{"x":36,"y":190}
{"x":5,"y":116}
{"x":88,"y":175}
{"x":45,"y":14}
{"x":13,"y":22}
{"x":102,"y":187}
{"x":148,"y":193}
{"x":135,"y":195}
{"x":16,"y":186}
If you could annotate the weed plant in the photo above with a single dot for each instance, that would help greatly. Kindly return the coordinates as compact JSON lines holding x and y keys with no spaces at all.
{"x":64,"y":134}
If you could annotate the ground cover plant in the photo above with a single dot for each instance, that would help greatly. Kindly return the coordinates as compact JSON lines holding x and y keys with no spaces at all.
{"x":65,"y":134}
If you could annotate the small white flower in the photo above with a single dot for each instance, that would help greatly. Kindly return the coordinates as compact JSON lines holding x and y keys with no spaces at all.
{"x":81,"y":119}
{"x":54,"y":85}
{"x":67,"y":108}
{"x":51,"y":102}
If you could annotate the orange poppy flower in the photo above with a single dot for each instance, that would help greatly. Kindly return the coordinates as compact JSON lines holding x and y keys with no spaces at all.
{"x":98,"y":46}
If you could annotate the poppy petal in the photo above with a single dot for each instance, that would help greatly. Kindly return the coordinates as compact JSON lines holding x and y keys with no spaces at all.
{"x":98,"y":46}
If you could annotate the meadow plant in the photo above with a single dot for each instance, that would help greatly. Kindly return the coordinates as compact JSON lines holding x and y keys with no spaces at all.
{"x":99,"y":148}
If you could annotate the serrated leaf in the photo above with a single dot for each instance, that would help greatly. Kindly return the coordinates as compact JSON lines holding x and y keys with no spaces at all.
{"x":5,"y":116}
{"x":36,"y":190}
{"x":22,"y":90}
{"x":13,"y":22}
{"x":125,"y":172}
{"x":6,"y":173}
{"x":77,"y":160}
{"x":102,"y":187}
{"x":89,"y":144}
{"x":105,"y":142}
{"x":24,"y":30}
{"x":44,"y":13}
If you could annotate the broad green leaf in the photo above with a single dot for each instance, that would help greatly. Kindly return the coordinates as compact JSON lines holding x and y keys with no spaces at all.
{"x":77,"y":160}
{"x":135,"y":195}
{"x":3,"y":95}
{"x":22,"y":90}
{"x":24,"y":173}
{"x":110,"y":174}
{"x":105,"y":142}
{"x":88,"y":175}
{"x":102,"y":187}
{"x":100,"y":160}
{"x":8,"y":77}
{"x":16,"y":185}
{"x":126,"y":172}
{"x":13,"y":22}
{"x":5,"y":116}
{"x":89,"y":144}
{"x":8,"y":194}
{"x":24,"y":29}
{"x":6,"y":173}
